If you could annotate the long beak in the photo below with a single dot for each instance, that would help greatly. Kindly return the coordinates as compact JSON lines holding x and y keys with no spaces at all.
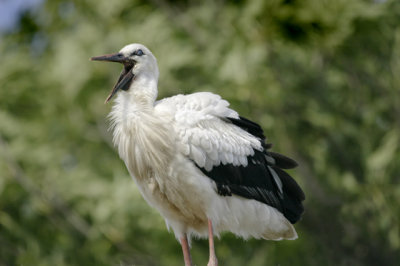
{"x":123,"y":83}
{"x":126,"y":77}
{"x":116,"y":57}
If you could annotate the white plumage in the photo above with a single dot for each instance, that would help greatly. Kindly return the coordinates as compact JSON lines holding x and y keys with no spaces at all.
{"x":169,"y":145}
{"x":202,"y":135}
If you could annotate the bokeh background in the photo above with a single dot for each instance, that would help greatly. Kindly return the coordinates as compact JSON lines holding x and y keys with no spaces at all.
{"x":321,"y":77}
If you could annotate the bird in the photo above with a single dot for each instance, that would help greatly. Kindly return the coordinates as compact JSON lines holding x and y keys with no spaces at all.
{"x":205,"y":168}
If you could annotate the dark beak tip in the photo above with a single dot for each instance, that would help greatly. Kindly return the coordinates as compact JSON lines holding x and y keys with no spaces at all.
{"x":97,"y":58}
{"x":116,"y":57}
{"x":109,"y":98}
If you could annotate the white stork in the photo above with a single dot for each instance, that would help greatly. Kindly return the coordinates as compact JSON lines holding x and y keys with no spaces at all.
{"x":201,"y":165}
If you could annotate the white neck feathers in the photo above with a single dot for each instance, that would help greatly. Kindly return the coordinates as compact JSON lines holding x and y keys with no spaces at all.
{"x":137,"y":132}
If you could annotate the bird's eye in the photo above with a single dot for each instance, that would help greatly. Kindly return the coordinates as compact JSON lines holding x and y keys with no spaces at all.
{"x":138,"y":52}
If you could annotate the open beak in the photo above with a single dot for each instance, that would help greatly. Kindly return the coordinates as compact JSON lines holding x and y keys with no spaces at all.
{"x":125,"y":78}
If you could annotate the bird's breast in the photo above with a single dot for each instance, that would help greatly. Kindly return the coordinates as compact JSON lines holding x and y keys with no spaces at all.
{"x":167,"y":180}
{"x":146,"y":145}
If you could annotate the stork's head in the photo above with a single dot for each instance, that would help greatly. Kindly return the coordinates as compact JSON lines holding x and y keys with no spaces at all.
{"x":137,"y":60}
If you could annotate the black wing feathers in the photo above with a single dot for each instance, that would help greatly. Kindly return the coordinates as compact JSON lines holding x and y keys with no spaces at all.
{"x":293,"y":194}
{"x":290,"y":184}
{"x":251,"y":127}
{"x":256,"y":180}
{"x":282,"y":161}
{"x":245,"y":181}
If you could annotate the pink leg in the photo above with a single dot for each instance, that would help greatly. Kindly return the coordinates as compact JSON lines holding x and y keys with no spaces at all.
{"x":186,"y":251}
{"x":213,"y":258}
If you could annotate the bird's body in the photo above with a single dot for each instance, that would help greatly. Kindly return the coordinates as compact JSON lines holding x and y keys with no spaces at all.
{"x":160,"y":155}
{"x":197,"y":161}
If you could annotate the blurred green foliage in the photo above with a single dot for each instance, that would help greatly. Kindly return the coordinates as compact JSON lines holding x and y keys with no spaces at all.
{"x":322,"y":78}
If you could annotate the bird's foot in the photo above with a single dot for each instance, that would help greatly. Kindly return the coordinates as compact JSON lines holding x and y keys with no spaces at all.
{"x":212,"y":262}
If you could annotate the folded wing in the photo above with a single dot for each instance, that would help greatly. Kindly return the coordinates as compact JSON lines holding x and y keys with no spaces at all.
{"x":231,"y":150}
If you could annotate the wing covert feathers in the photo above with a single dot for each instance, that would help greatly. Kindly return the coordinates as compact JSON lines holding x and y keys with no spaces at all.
{"x":231,"y":150}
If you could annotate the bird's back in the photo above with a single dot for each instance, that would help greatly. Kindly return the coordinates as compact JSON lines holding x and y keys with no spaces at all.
{"x":231,"y":150}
